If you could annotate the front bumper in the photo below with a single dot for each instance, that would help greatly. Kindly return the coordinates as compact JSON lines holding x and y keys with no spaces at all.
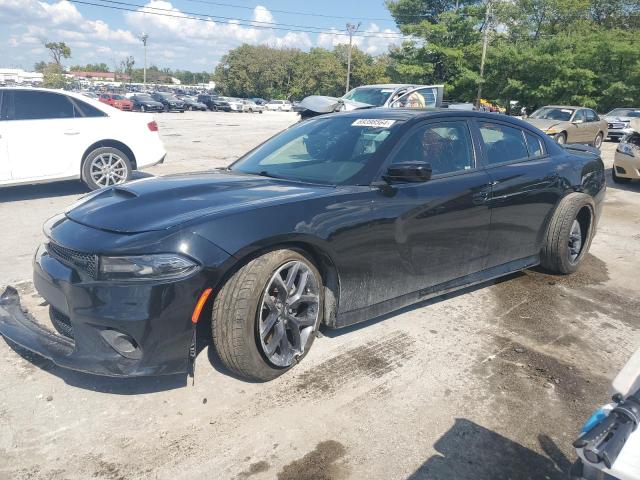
{"x":626,"y":166}
{"x":116,"y":330}
{"x":617,"y":134}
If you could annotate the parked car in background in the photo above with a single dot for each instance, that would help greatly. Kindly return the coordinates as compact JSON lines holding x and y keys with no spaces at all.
{"x":251,"y":107}
{"x":567,"y":124}
{"x":145,"y":103}
{"x":92,"y":95}
{"x":334,"y":221}
{"x":117,"y":101}
{"x":626,"y":162}
{"x":169,"y":101}
{"x":48,"y":135}
{"x":390,"y":95}
{"x":279,"y":105}
{"x":259,"y":101}
{"x":619,"y":120}
{"x":191,"y":104}
{"x":214,"y":103}
{"x":235,"y":104}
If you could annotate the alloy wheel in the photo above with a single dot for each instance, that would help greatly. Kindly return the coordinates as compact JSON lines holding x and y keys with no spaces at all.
{"x":108,"y":169}
{"x":288,"y":313}
{"x":575,"y":241}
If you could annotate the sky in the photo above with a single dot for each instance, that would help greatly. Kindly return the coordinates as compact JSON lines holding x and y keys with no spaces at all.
{"x":97,"y":34}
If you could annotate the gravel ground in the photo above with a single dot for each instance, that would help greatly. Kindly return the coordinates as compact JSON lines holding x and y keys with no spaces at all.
{"x":489,"y":383}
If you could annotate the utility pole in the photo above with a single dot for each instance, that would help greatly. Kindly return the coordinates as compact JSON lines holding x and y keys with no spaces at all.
{"x":485,"y":42}
{"x":144,"y":39}
{"x":351,"y":29}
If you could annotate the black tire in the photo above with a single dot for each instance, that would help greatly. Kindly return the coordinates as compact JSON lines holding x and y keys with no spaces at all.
{"x":166,"y":108}
{"x":555,"y":255}
{"x":560,"y":138}
{"x":234,"y":321}
{"x":597,"y":143}
{"x":189,"y":108}
{"x":91,"y":156}
{"x":260,"y":112}
{"x":616,"y":178}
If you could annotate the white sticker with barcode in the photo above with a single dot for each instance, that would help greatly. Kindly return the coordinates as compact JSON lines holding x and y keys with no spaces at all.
{"x":373,"y":122}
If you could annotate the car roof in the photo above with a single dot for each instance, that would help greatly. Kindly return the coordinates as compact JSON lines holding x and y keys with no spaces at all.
{"x":564,"y":106}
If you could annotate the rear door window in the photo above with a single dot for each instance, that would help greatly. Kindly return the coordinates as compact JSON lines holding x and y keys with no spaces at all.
{"x":503,"y":144}
{"x":36,"y":105}
{"x":446,"y":146}
{"x":83,"y":109}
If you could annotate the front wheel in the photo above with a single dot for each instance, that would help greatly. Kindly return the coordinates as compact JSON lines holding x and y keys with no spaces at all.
{"x":104,"y":167}
{"x":561,"y":138}
{"x":569,"y":234}
{"x":143,"y":108}
{"x":265,"y":317}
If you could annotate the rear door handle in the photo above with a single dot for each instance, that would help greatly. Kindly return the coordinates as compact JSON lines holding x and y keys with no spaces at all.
{"x":481,"y":196}
{"x":71,"y":132}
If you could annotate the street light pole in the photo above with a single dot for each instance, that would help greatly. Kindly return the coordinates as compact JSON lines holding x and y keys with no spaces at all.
{"x":144,"y":39}
{"x":485,"y":42}
{"x":351,"y":29}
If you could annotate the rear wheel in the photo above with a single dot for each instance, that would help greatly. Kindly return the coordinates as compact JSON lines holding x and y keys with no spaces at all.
{"x":143,"y":108}
{"x":569,"y":234}
{"x":265,"y":318}
{"x":598,"y":140}
{"x":104,"y":167}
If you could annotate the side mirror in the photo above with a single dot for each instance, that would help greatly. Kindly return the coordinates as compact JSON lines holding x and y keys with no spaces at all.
{"x":406,"y":172}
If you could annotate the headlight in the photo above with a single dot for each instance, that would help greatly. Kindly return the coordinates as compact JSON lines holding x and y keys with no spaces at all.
{"x":626,"y":149}
{"x":158,"y":267}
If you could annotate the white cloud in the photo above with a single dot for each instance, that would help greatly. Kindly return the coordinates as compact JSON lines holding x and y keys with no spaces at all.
{"x":371,"y":40}
{"x":176,"y":39}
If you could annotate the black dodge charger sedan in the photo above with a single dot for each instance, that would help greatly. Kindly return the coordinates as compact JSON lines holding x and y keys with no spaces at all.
{"x":335,"y":220}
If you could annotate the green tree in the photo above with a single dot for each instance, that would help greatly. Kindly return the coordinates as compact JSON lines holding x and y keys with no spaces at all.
{"x":59,"y":50}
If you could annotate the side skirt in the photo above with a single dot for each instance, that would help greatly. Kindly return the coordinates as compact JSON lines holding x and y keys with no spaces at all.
{"x":354,"y":316}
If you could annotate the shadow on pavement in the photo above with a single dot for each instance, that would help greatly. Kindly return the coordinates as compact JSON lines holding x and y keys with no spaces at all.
{"x":53,"y":189}
{"x":469,"y":451}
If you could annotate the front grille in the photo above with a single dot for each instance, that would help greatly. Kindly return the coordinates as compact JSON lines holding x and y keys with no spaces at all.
{"x":617,"y":125}
{"x":61,"y":322}
{"x":86,"y":262}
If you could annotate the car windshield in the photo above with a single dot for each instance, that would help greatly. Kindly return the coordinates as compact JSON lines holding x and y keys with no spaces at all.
{"x":370,"y":96}
{"x":144,"y":98}
{"x":117,"y":97}
{"x":624,"y":112}
{"x":167,"y":96}
{"x":325,"y":150}
{"x":553,"y":113}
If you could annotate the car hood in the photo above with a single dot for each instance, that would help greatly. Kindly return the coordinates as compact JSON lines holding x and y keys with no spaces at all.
{"x":160,"y":203}
{"x":321,"y":104}
{"x":543,"y":124}
{"x":616,"y":118}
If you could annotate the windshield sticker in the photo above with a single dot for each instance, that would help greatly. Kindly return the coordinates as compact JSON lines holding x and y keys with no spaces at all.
{"x":373,"y":122}
{"x":566,"y":111}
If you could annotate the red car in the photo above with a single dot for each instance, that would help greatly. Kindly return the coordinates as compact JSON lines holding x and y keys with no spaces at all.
{"x":117,"y":101}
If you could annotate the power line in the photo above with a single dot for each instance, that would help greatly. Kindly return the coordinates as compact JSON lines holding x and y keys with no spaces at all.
{"x":184,"y":15}
{"x":306,"y":14}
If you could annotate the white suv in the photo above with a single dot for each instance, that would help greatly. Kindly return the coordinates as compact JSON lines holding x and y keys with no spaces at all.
{"x":49,"y":135}
{"x":279,"y":105}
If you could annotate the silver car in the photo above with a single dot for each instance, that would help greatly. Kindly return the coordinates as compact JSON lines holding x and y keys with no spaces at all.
{"x":619,"y":120}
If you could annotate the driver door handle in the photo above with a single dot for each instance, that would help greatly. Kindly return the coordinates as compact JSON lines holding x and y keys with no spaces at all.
{"x":71,"y":132}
